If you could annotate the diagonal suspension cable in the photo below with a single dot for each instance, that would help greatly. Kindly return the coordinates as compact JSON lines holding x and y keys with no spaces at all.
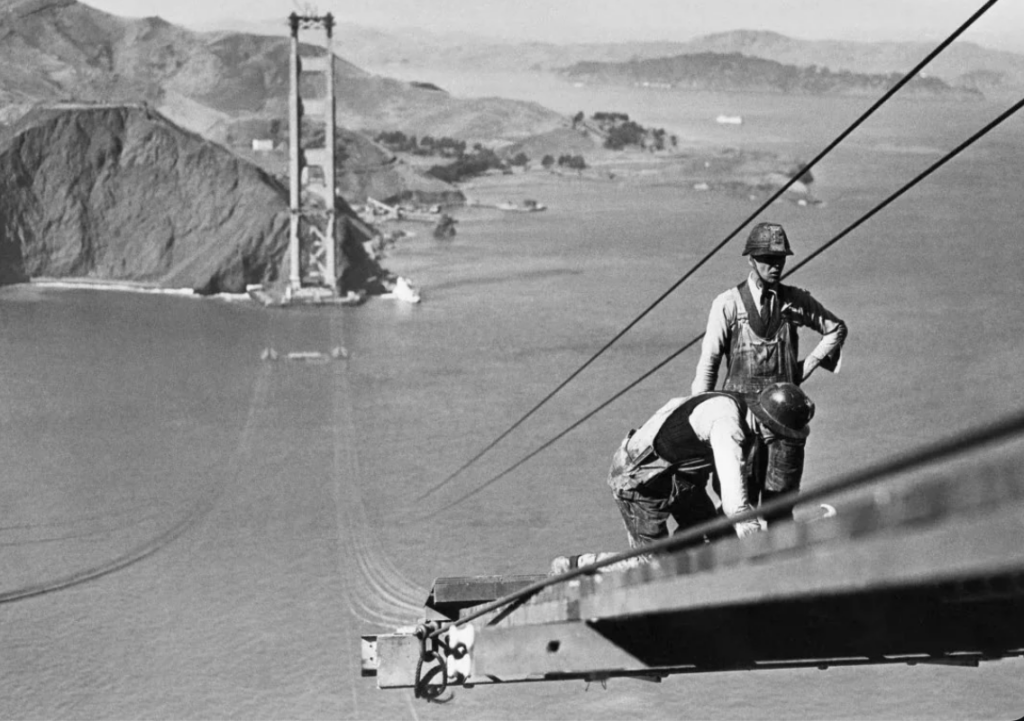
{"x":857,"y":223}
{"x":999,"y":431}
{"x":657,"y":301}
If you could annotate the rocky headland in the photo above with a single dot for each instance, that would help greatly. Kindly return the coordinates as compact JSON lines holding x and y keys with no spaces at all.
{"x":119,"y":192}
{"x":137,"y":150}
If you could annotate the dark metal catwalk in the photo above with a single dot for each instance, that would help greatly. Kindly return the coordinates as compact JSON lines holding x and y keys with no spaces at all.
{"x":922,"y":571}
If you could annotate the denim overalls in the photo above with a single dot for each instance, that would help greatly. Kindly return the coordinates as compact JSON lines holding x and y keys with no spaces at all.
{"x":649,"y":490}
{"x":758,"y":357}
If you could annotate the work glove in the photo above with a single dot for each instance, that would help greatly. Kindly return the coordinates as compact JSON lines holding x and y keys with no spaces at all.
{"x":749,"y":528}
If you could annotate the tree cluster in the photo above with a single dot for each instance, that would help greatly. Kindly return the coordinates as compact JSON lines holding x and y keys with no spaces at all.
{"x":399,"y":142}
{"x":622,"y":132}
{"x":520,"y":159}
{"x":574,"y":162}
{"x":605,"y":117}
{"x":627,"y":133}
{"x":467,"y":166}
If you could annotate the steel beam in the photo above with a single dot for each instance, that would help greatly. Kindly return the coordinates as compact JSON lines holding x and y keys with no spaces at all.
{"x":450,"y":595}
{"x":576,"y":650}
{"x":936,"y":531}
{"x":926,"y":572}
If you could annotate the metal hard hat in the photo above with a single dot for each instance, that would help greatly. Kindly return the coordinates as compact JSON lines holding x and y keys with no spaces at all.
{"x":767,"y":239}
{"x":785,"y":409}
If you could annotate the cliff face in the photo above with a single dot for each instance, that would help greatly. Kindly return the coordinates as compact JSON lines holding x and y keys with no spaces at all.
{"x":121,"y":193}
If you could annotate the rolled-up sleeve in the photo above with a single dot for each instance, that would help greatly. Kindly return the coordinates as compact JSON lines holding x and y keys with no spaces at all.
{"x":717,"y":421}
{"x":713,"y":347}
{"x":810,"y":313}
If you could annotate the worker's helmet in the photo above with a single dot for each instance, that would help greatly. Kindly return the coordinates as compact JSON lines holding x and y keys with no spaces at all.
{"x":767,"y":239}
{"x":785,"y":409}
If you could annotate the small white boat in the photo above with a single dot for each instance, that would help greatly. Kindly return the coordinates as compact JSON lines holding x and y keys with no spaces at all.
{"x":307,"y":356}
{"x":729,"y":120}
{"x":403,"y":290}
{"x":527,"y":206}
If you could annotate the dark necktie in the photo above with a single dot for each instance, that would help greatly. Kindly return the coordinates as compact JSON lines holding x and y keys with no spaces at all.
{"x":766,"y":307}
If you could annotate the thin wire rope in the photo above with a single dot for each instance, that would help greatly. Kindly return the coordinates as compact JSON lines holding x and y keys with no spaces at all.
{"x":657,"y":301}
{"x":196,"y":513}
{"x":921,"y":176}
{"x":1000,"y":430}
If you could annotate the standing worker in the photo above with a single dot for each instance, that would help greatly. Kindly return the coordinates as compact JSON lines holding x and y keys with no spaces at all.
{"x":662,"y":469}
{"x":754,"y":326}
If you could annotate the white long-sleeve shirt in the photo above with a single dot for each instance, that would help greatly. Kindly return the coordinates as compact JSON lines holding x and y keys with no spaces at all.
{"x":798,"y":306}
{"x":716,"y":421}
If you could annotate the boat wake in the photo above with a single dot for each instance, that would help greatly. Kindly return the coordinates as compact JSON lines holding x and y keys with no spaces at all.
{"x":376,"y":591}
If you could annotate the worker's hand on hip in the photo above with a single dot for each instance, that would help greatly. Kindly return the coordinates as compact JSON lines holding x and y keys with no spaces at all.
{"x":807,"y":366}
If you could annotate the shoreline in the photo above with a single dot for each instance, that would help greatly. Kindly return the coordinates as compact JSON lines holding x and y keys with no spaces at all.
{"x":742,"y":173}
{"x":718,"y":171}
{"x":143,"y":288}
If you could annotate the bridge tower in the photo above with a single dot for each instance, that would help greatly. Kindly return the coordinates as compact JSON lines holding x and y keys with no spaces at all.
{"x":311,"y":171}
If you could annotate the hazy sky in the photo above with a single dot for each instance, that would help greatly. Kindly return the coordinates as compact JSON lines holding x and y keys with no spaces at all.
{"x":620,"y":20}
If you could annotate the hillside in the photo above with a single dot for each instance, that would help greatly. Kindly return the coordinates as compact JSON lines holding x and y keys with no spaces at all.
{"x":54,"y":50}
{"x":365,"y":168}
{"x":963,"y":64}
{"x":735,"y":72}
{"x":557,"y":142}
{"x":118,"y":192}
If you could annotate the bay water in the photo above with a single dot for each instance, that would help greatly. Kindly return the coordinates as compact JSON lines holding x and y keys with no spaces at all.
{"x":191,"y":531}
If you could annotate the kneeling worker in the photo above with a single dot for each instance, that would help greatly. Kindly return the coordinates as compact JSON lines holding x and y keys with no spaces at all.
{"x":662,"y":469}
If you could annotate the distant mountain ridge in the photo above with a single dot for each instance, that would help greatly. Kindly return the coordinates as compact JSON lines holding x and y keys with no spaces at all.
{"x":62,"y":50}
{"x":723,"y":72}
{"x":963,"y":64}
